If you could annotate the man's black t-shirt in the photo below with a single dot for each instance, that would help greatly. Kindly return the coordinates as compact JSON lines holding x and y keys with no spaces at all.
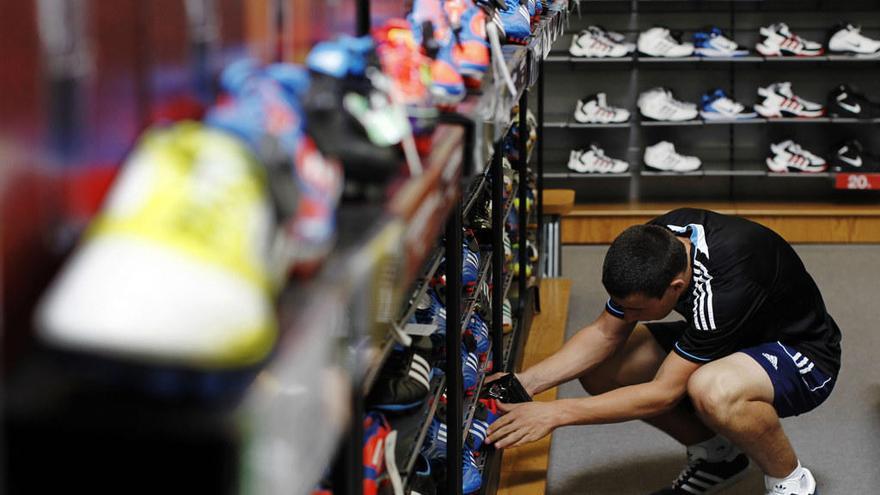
{"x":748,"y":287}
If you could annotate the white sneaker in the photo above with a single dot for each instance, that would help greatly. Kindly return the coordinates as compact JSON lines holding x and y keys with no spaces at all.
{"x":780,"y":101}
{"x":849,"y":39}
{"x":806,"y":485}
{"x":595,"y":109}
{"x":659,"y":104}
{"x":595,"y":43}
{"x":662,"y":156}
{"x":659,"y":42}
{"x":594,"y":161}
{"x":788,"y":156}
{"x":779,"y":40}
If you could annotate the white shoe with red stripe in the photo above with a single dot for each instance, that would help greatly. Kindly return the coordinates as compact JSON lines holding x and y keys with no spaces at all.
{"x":779,"y":40}
{"x":780,"y":101}
{"x":594,"y":161}
{"x":788,"y":156}
{"x":594,"y":43}
{"x":595,"y":110}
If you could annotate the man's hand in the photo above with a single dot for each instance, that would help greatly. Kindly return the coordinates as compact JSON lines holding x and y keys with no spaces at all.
{"x":522,"y":424}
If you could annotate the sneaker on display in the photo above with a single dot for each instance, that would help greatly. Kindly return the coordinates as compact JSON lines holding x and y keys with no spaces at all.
{"x":595,"y":110}
{"x":594,"y":161}
{"x":804,"y":485}
{"x":843,"y":101}
{"x":788,"y":156}
{"x":849,"y":39}
{"x":660,"y":42}
{"x":595,"y":42}
{"x":405,"y":379}
{"x":660,"y":104}
{"x":713,"y":43}
{"x":718,"y":106}
{"x":851,"y":157}
{"x":421,"y":482}
{"x":701,"y":476}
{"x":778,"y":40}
{"x":517,"y":22}
{"x":780,"y":101}
{"x":662,"y":156}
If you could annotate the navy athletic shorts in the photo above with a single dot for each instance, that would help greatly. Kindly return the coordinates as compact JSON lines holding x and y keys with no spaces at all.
{"x":798,"y":385}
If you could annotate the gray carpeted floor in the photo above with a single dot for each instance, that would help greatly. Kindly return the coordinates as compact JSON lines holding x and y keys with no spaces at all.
{"x":839,"y":441}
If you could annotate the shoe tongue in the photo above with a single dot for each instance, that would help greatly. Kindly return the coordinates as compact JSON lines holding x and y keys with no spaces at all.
{"x":600,"y":98}
{"x":696,"y":453}
{"x":782,"y":28}
{"x":784,"y":88}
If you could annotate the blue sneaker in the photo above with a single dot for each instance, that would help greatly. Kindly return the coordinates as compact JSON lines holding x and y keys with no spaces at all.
{"x":471,"y":478}
{"x":718,"y":106}
{"x":517,"y":22}
{"x":432,"y":31}
{"x":431,"y":311}
{"x":712,"y":42}
{"x":480,"y":331}
{"x":434,"y":448}
{"x":470,"y":367}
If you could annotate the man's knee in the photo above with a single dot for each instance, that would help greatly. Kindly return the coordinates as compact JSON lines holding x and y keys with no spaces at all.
{"x":714,"y":393}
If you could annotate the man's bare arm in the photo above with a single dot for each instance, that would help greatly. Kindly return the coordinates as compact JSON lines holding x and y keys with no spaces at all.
{"x":585,"y":350}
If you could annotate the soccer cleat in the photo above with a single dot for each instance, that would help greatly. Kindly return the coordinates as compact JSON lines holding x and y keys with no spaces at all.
{"x":470,"y":367}
{"x":843,"y":101}
{"x":595,"y":109}
{"x":471,"y":478}
{"x":805,"y":485}
{"x":703,"y":477}
{"x":376,"y":430}
{"x":594,"y":161}
{"x":485,"y":413}
{"x":405,"y":380}
{"x":431,"y":29}
{"x":660,"y":42}
{"x":849,"y":39}
{"x":788,"y":156}
{"x":851,"y":157}
{"x":470,"y":255}
{"x":470,"y":48}
{"x":431,"y":310}
{"x":780,"y":101}
{"x":517,"y":22}
{"x":662,"y":156}
{"x":595,"y":42}
{"x":188,"y":225}
{"x":778,"y":40}
{"x":718,"y":106}
{"x":506,"y":316}
{"x":713,"y":43}
{"x":660,"y":104}
{"x":478,"y":329}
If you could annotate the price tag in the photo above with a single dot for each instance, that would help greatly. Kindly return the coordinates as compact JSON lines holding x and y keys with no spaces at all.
{"x":857,"y":182}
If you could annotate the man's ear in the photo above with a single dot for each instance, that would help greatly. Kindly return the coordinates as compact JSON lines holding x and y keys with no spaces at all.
{"x":678,"y":285}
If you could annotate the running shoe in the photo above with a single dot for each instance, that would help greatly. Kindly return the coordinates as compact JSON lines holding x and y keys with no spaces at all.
{"x":702,"y":476}
{"x":517,"y":22}
{"x":788,"y":156}
{"x":779,"y":101}
{"x":405,"y":379}
{"x":471,"y":478}
{"x":470,"y":365}
{"x":595,"y":42}
{"x":805,"y":485}
{"x":262,"y":106}
{"x":470,"y":49}
{"x":661,"y":42}
{"x":595,"y":109}
{"x":662,"y":156}
{"x":843,"y":101}
{"x":188,"y":224}
{"x":478,"y":329}
{"x":660,"y":104}
{"x":849,"y":39}
{"x":712,"y":42}
{"x":778,"y":40}
{"x":718,"y":106}
{"x":851,"y":157}
{"x":594,"y":161}
{"x":432,"y":31}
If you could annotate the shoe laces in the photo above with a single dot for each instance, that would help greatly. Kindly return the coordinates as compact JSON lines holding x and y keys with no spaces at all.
{"x":693,"y":464}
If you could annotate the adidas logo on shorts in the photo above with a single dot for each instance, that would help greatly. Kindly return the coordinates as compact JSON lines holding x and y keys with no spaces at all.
{"x":773,"y":360}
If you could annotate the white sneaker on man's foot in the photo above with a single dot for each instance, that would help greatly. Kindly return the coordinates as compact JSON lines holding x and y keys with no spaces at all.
{"x":803,"y":485}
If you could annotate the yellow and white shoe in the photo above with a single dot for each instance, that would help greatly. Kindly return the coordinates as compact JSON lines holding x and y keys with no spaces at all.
{"x":175,"y":270}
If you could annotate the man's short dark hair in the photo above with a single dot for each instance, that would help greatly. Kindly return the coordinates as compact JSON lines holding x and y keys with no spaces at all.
{"x":643,"y":260}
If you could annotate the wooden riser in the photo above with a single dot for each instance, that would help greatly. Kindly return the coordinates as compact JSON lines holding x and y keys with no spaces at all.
{"x":822,"y":223}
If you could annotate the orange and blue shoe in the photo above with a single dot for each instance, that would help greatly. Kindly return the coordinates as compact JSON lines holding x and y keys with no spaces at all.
{"x":471,"y":48}
{"x":432,"y":31}
{"x":517,"y":21}
{"x":376,"y":431}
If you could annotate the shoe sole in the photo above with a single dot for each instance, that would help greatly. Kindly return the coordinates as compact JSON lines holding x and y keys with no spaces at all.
{"x":716,"y":116}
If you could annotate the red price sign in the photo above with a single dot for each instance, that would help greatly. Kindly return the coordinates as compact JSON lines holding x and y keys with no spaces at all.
{"x":857,"y":181}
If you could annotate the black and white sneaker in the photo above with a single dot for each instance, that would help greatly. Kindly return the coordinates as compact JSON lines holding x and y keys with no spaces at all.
{"x":702,"y":477}
{"x":851,"y":157}
{"x":595,"y":109}
{"x":843,"y":101}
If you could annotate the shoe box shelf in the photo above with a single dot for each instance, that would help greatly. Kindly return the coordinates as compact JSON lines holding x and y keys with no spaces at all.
{"x":733,"y":152}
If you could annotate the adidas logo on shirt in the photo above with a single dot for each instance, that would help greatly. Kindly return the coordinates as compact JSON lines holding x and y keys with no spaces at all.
{"x":773,"y":360}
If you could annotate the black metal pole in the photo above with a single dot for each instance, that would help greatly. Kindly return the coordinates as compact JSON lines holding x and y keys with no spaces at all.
{"x":348,"y":468}
{"x":454,"y":389}
{"x":539,"y":167}
{"x":522,"y":165}
{"x":498,"y":279}
{"x":363,"y":17}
